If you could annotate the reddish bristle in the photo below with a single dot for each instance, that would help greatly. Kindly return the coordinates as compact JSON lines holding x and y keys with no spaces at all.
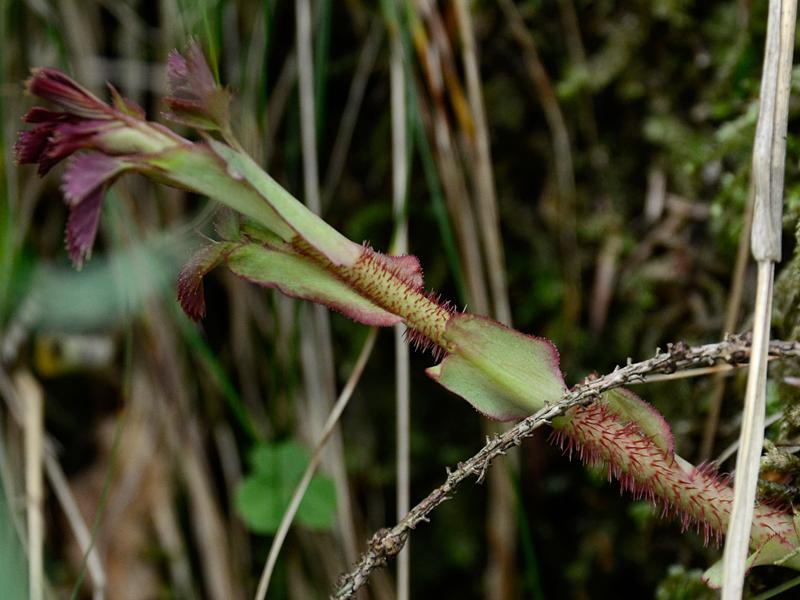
{"x":699,"y":498}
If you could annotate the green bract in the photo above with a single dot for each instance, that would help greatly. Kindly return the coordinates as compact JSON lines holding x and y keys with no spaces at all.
{"x":504,"y":374}
{"x":311,"y":228}
{"x":298,"y":276}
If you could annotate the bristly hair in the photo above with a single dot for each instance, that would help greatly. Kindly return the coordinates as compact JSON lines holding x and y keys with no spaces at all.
{"x":420,"y":341}
{"x":406,"y":271}
{"x":697,"y":496}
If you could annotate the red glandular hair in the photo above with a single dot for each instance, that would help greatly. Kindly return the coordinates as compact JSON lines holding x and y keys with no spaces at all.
{"x":698,"y":496}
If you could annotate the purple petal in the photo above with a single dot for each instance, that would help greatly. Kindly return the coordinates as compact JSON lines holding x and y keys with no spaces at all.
{"x":84,"y":185}
{"x":68,"y":138}
{"x":190,"y":77}
{"x":43,"y":115}
{"x":55,"y":86}
{"x":190,"y":279}
{"x":31,"y":144}
{"x":54,"y":140}
{"x":88,"y":172}
{"x":196,"y":99}
{"x":82,"y":226}
{"x":177,"y":72}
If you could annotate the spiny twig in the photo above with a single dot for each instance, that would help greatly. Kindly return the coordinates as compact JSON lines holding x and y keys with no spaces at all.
{"x":387,"y":542}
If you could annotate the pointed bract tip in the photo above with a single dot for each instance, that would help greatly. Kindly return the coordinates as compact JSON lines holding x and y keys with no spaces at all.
{"x":190,"y":291}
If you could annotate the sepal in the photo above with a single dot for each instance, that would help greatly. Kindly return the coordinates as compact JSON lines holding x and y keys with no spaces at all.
{"x":190,"y":278}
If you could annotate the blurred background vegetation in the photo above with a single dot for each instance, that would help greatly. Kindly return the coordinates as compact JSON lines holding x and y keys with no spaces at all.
{"x":620,"y":136}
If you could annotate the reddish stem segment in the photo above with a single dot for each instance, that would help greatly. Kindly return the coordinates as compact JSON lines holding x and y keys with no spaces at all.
{"x":697,"y":495}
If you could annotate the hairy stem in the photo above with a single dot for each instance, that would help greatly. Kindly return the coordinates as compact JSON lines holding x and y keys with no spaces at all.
{"x":386,"y":543}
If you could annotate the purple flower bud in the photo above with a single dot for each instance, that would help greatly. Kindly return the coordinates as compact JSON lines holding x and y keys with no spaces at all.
{"x":196,"y":98}
{"x":85,"y":122}
{"x":58,"y":88}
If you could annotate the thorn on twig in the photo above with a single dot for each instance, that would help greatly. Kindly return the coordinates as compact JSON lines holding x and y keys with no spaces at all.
{"x":679,"y":350}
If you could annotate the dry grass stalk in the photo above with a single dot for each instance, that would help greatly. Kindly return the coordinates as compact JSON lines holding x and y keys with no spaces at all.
{"x":769,"y":155}
{"x":32,"y":397}
{"x":400,"y":173}
{"x":316,"y":457}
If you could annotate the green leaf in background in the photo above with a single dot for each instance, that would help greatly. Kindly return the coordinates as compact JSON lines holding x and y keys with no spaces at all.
{"x":263,"y":496}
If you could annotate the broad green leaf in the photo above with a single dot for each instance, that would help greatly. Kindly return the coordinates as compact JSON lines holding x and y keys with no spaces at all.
{"x":316,"y":232}
{"x":318,"y":509}
{"x":288,"y":458}
{"x":504,"y":374}
{"x":263,"y":496}
{"x":298,"y":276}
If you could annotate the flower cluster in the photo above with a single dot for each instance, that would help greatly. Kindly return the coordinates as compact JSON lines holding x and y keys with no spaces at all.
{"x":110,"y":137}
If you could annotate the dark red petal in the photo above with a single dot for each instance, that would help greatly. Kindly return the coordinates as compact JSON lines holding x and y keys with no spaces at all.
{"x":82,"y":226}
{"x":68,"y":138}
{"x":55,"y":86}
{"x":42,"y":115}
{"x":190,"y":279}
{"x":31,"y":145}
{"x":85,"y":182}
{"x":86,"y":173}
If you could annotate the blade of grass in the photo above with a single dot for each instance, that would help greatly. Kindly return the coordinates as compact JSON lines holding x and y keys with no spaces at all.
{"x":58,"y":481}
{"x":211,"y":40}
{"x":118,"y":429}
{"x":60,"y":486}
{"x":532,"y":575}
{"x":201,"y":350}
{"x":435,"y":117}
{"x":12,"y":526}
{"x":784,"y":587}
{"x":562,"y":158}
{"x":731,"y":319}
